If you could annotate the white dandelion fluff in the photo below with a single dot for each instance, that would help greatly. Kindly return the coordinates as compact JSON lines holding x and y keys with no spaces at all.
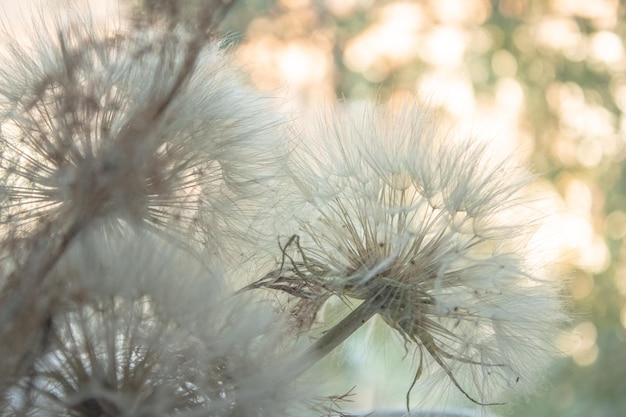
{"x":147,"y":126}
{"x":434,"y":234}
{"x":146,"y":330}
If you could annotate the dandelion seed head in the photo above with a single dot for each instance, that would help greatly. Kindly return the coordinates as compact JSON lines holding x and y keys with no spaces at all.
{"x":97,"y":125}
{"x":144,"y":330}
{"x":436,"y":234}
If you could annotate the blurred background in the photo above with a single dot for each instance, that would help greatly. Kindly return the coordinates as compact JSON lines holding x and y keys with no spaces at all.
{"x":543,"y":78}
{"x":546,"y":78}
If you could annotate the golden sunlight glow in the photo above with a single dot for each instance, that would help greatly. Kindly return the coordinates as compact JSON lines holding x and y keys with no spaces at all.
{"x":300,"y":66}
{"x":504,"y":64}
{"x":606,"y":47}
{"x":295,"y":4}
{"x":461,"y":11}
{"x":619,"y":279}
{"x":587,"y":249}
{"x":559,"y":34}
{"x":580,"y":343}
{"x":615,"y":224}
{"x":342,"y":8}
{"x":581,"y":286}
{"x":589,"y":153}
{"x":588,"y":131}
{"x":619,"y":94}
{"x":444,"y":46}
{"x":450,"y":89}
{"x":595,"y":257}
{"x":394,"y":38}
{"x":302,"y":63}
{"x":509,"y":93}
{"x":603,"y":12}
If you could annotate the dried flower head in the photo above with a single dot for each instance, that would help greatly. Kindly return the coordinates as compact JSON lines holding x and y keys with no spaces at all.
{"x":151,"y":126}
{"x":146,"y":330}
{"x":434,"y":234}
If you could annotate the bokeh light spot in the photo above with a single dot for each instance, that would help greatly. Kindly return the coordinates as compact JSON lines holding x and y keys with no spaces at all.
{"x":580,"y":343}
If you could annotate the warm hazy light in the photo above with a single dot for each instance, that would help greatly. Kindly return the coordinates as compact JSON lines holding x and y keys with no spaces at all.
{"x":606,"y":47}
{"x":444,"y":46}
{"x":509,"y":94}
{"x":342,"y":8}
{"x":619,"y":279}
{"x":616,"y":224}
{"x":619,"y":93}
{"x":394,"y":38}
{"x":589,"y":132}
{"x":574,"y":230}
{"x":295,"y":4}
{"x":603,"y":11}
{"x":558,"y":33}
{"x":581,"y":286}
{"x":302,"y":64}
{"x":580,"y":343}
{"x":300,"y":68}
{"x":450,"y":89}
{"x":461,"y":11}
{"x":578,"y":196}
{"x":503,"y":63}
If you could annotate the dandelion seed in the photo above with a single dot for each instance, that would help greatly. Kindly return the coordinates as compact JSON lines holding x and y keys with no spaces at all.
{"x":434,"y":234}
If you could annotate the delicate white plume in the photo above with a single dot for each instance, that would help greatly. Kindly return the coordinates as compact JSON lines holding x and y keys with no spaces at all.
{"x":435,"y":234}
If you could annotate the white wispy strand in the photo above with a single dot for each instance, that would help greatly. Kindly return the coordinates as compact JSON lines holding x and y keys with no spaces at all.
{"x":435,"y":234}
{"x":147,"y":330}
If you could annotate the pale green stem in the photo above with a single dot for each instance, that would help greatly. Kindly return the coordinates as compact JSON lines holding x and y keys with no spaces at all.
{"x":295,"y":367}
{"x":337,"y":334}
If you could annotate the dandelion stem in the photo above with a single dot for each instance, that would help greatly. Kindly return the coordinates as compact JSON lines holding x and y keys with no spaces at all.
{"x":24,"y":309}
{"x":339,"y":333}
{"x":327,"y":343}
